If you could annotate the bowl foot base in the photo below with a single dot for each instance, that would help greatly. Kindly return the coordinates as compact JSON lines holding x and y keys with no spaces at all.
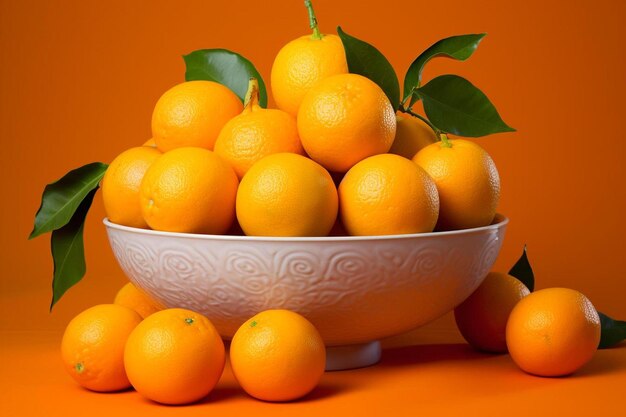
{"x":339,"y":358}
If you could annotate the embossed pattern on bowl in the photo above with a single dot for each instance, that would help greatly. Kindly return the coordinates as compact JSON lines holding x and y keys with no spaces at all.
{"x":354,"y":289}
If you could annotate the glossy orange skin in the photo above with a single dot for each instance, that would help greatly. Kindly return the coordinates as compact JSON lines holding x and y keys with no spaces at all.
{"x":192,"y":114}
{"x":189,"y":190}
{"x":287,"y":195}
{"x":301,"y":64}
{"x":121,"y":182}
{"x":132,"y":297}
{"x":277,"y":355}
{"x":344,"y":119}
{"x":467,"y":181}
{"x":412,"y":135}
{"x":257,"y":133}
{"x":92,"y":347}
{"x":385,"y":195}
{"x":174,"y":356}
{"x":553,"y":332}
{"x":482,"y":317}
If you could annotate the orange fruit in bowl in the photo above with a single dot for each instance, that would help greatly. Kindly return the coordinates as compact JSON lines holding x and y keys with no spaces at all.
{"x":189,"y":190}
{"x":344,"y":119}
{"x":300,"y":64}
{"x":467,"y":181}
{"x":387,"y":194}
{"x":412,"y":134}
{"x":192,"y":114}
{"x":174,"y":356}
{"x":285,"y":194}
{"x":121,"y":182}
{"x":277,"y":355}
{"x":482,"y":317}
{"x":92,"y":347}
{"x":553,"y":332}
{"x":132,"y":297}
{"x":256,"y":133}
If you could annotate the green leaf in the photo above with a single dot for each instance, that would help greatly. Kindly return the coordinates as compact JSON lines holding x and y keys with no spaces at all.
{"x":523,"y":271}
{"x":68,"y":251}
{"x":61,"y":198}
{"x":365,"y":60}
{"x":225,"y":67}
{"x":456,"y":47}
{"x":613,"y":331}
{"x":454,"y":105}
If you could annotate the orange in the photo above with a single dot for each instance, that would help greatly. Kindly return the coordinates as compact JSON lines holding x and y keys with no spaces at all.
{"x":553,"y":332}
{"x":150,"y":142}
{"x":277,"y":355}
{"x":192,"y":114}
{"x":482,"y":317}
{"x":93,"y":346}
{"x":120,"y":185}
{"x":302,"y":63}
{"x":189,"y":190}
{"x":387,"y":194}
{"x":174,"y":356}
{"x":412,"y":134}
{"x":344,"y":119}
{"x":132,"y":297}
{"x":467,"y":181}
{"x":256,"y":133}
{"x":287,"y":195}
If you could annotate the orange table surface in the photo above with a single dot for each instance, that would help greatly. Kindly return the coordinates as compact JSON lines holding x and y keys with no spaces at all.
{"x":436,"y":378}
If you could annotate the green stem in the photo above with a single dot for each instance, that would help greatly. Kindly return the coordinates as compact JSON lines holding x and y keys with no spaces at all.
{"x":444,"y":140}
{"x":423,"y":119}
{"x":252,"y":95}
{"x":313,"y":20}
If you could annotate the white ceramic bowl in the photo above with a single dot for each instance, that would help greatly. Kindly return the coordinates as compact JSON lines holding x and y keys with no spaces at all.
{"x":355,"y":290}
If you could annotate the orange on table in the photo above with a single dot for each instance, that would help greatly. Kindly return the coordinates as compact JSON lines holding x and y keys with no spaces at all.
{"x":300,"y":64}
{"x":412,"y":134}
{"x":174,"y":356}
{"x":277,"y":355}
{"x":132,"y":297}
{"x":553,"y":332}
{"x":482,"y":317}
{"x":256,"y":133}
{"x":467,"y":181}
{"x":120,"y":185}
{"x":92,"y":347}
{"x":192,"y":114}
{"x":344,"y":119}
{"x":387,"y":194}
{"x":189,"y":190}
{"x":286,"y":194}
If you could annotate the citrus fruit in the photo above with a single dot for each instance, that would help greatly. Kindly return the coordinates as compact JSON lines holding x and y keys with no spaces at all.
{"x":189,"y":190}
{"x":553,"y":332}
{"x":387,"y":194}
{"x":92,"y":347}
{"x":467,"y":181}
{"x":120,"y":185}
{"x":256,"y":133}
{"x":482,"y":317}
{"x":132,"y":297}
{"x":150,"y":142}
{"x":192,"y":114}
{"x":412,"y":134}
{"x":344,"y":119}
{"x":301,"y":63}
{"x":174,"y":356}
{"x":277,"y":355}
{"x":285,"y":194}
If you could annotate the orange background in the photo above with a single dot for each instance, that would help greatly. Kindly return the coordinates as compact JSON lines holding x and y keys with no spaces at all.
{"x":79,"y":79}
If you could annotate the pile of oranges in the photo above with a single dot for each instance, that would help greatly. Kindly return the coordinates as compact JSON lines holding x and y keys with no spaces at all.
{"x":333,"y":156}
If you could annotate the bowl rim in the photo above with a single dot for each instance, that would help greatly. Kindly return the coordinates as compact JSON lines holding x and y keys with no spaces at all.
{"x":499,"y":221}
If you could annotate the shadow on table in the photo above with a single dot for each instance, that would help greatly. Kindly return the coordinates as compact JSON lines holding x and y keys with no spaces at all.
{"x":412,"y":355}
